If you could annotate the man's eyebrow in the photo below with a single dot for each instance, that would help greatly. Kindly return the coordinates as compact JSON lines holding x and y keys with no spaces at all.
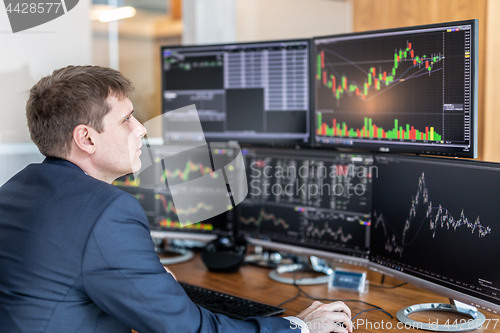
{"x":128,"y":115}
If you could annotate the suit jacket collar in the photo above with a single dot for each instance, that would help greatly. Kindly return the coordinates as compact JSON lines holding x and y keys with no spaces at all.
{"x":65,"y":163}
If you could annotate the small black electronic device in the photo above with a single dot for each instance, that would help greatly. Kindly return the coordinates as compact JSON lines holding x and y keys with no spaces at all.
{"x":228,"y":305}
{"x":224,"y":254}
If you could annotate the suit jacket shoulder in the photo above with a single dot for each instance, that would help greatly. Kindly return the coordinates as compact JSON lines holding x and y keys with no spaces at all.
{"x":79,"y":258}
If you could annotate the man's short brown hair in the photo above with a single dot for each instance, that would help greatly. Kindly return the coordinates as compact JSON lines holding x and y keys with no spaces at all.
{"x":71,"y":96}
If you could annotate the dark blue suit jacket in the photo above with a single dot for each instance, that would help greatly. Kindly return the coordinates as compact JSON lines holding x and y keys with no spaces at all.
{"x":76,"y":256}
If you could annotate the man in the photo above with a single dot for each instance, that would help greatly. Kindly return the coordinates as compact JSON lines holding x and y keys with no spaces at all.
{"x":75,"y":252}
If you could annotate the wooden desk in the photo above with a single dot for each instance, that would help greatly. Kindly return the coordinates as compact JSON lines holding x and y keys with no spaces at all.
{"x":253,"y":283}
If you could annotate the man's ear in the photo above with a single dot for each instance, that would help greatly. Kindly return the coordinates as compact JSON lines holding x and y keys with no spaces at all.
{"x":83,"y":138}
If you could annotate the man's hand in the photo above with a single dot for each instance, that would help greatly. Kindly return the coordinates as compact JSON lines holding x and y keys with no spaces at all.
{"x":325,"y":318}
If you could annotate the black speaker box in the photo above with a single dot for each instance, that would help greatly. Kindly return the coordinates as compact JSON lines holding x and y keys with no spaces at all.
{"x":224,"y":254}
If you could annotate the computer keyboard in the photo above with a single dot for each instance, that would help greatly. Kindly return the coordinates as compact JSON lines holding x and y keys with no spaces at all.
{"x":229,"y":305}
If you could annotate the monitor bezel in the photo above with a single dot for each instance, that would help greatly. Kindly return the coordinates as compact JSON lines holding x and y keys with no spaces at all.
{"x":436,"y":288}
{"x":192,"y":234}
{"x":305,"y":251}
{"x":171,"y":234}
{"x":386,"y":147}
{"x":269,"y":141}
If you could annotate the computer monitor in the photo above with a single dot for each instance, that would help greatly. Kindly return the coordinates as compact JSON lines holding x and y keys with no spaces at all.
{"x":151,"y":189}
{"x":435,"y":224}
{"x":255,"y":93}
{"x":408,"y":90}
{"x":309,"y":202}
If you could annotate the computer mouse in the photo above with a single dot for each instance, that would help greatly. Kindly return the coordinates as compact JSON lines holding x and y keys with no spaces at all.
{"x":340,"y":324}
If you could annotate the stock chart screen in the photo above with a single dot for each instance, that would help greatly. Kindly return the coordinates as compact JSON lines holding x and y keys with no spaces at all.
{"x":248,"y":92}
{"x":314,"y":199}
{"x":408,"y":90}
{"x":437,"y":219}
{"x":152,"y":189}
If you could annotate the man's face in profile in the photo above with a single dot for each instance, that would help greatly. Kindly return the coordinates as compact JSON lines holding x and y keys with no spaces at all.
{"x":119,"y":143}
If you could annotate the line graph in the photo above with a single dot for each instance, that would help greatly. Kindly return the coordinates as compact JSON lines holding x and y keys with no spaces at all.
{"x":263,"y":216}
{"x":310,"y":230}
{"x":168,"y":206}
{"x":189,"y":168}
{"x":436,"y":216}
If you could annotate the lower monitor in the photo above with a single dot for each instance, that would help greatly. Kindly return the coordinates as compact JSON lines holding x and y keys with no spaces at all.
{"x":164,"y":222}
{"x":435,"y":224}
{"x":150,"y":188}
{"x":309,"y":202}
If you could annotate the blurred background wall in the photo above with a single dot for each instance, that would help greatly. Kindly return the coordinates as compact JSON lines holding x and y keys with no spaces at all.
{"x":25,"y":57}
{"x":132,"y":44}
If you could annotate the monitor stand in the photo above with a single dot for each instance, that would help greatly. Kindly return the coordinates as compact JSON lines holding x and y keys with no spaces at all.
{"x":312,"y":264}
{"x":477,"y":317}
{"x":266,"y":258}
{"x":176,"y":255}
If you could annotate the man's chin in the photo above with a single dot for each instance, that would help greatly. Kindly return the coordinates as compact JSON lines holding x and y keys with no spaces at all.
{"x":136,"y":167}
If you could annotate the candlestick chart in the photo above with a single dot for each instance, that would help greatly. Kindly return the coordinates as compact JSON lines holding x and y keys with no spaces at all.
{"x":373,"y":82}
{"x":168,"y":214}
{"x":190,"y":171}
{"x":169,"y":223}
{"x":392,"y":88}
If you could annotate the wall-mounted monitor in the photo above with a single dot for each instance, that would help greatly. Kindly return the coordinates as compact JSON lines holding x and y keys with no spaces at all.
{"x":410,"y":90}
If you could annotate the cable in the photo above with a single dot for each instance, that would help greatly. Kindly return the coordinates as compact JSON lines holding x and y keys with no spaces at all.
{"x":289,"y":300}
{"x":298,"y":294}
{"x":360,"y":312}
{"x":343,"y":300}
{"x":388,"y":287}
{"x":301,"y":291}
